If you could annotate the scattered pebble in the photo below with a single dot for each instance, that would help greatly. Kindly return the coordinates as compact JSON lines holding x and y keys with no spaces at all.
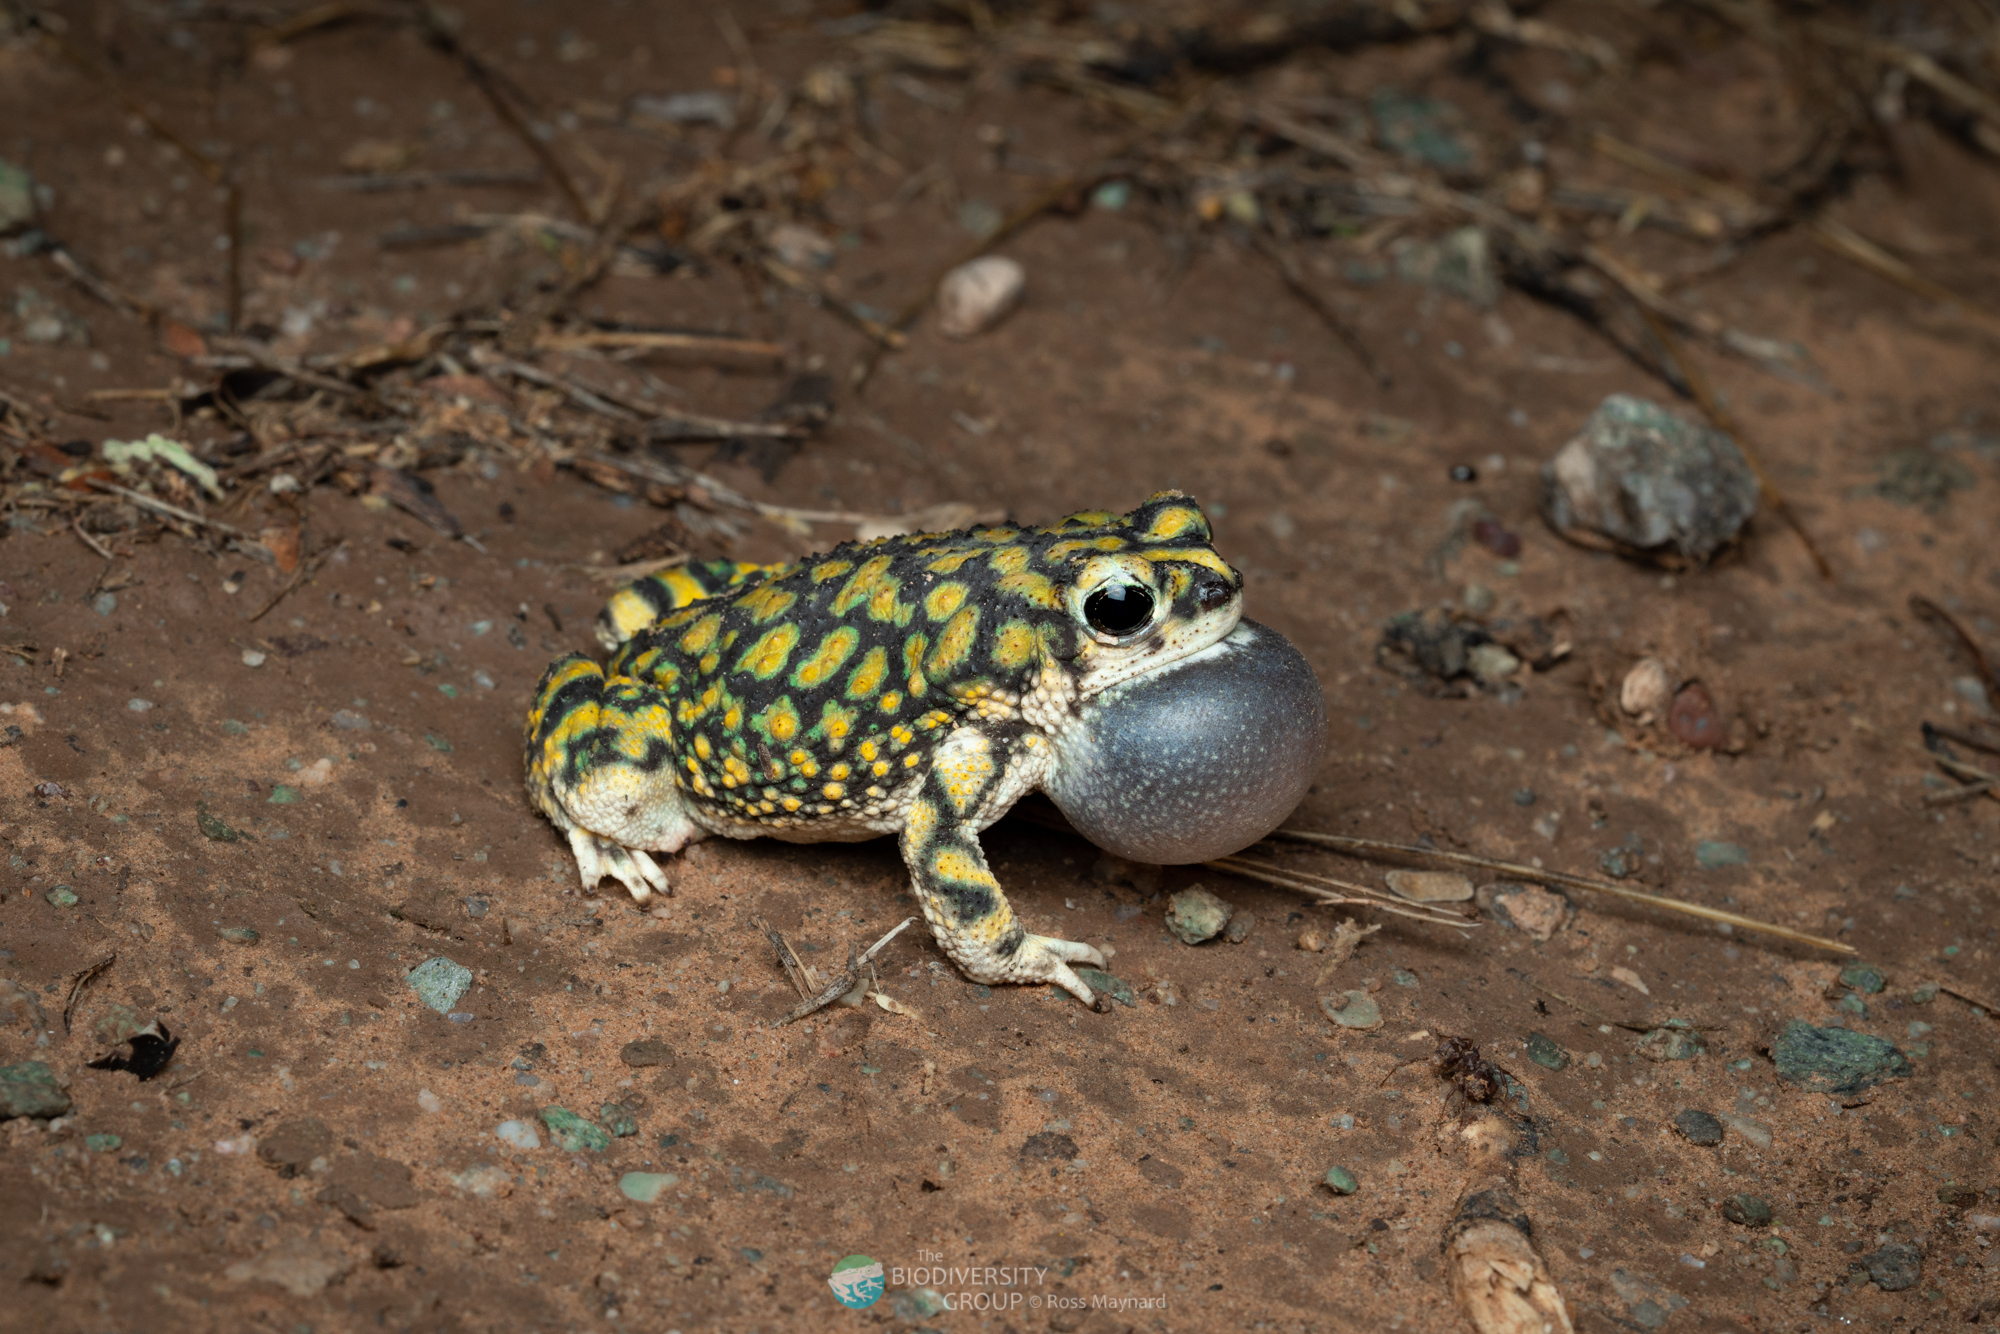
{"x":1747,"y":1210}
{"x":1312,"y":940}
{"x":1647,"y":690}
{"x":1643,"y":481}
{"x":1341,"y":1181}
{"x":1925,"y":993}
{"x":1674,"y":1041}
{"x":429,"y":1101}
{"x":61,"y":896}
{"x":1241,"y":924}
{"x":618,"y":1120}
{"x":518,"y":1134}
{"x":102,"y":1143}
{"x":644,"y":1052}
{"x":646,"y":1187}
{"x":239,"y":935}
{"x":440,"y":983}
{"x":975,"y":296}
{"x":347,"y":720}
{"x":1713,"y":855}
{"x":1530,"y":908}
{"x":1895,"y":1266}
{"x":1620,"y":973}
{"x":1692,"y":719}
{"x":1544,"y":1051}
{"x":572,"y":1133}
{"x":104,"y":603}
{"x":252,"y":658}
{"x":1835,"y":1060}
{"x":1107,"y":984}
{"x":1865,"y":977}
{"x":1352,"y":1009}
{"x":485,"y":1181}
{"x":1430,"y":886}
{"x":139,"y":705}
{"x":30,"y":1089}
{"x":17,"y":197}
{"x":1699,"y":1127}
{"x":1757,"y":1132}
{"x":1490,"y":664}
{"x":1196,"y":915}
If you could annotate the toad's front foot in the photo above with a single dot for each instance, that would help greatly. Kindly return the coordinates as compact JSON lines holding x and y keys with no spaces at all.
{"x":598,"y":857}
{"x":1046,"y":959}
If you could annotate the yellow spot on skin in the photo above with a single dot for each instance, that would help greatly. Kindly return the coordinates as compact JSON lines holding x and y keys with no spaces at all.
{"x":732,"y":717}
{"x":964,"y":774}
{"x":792,"y":803}
{"x":702,"y":635}
{"x":767,"y":603}
{"x":1208,"y":560}
{"x":709,"y":661}
{"x":834,"y":791}
{"x":1089,"y":519}
{"x":682,"y":585}
{"x":1170,"y":524}
{"x":942,"y":601}
{"x":954,"y":645}
{"x":913,"y":662}
{"x":890,"y":702}
{"x":950,"y":562}
{"x":837,"y":771}
{"x":780,"y":722}
{"x":901,"y":735}
{"x":833,"y":569}
{"x":868,"y":677}
{"x":952,"y":864}
{"x":738,"y":772}
{"x":910,"y":761}
{"x":836,"y":722}
{"x":1010,"y":560}
{"x":834,"y":650}
{"x":1032,"y":588}
{"x":767,"y":657}
{"x":933,"y":720}
{"x":856,"y":590}
{"x":881,"y":767}
{"x":921,"y":822}
{"x":1107,"y":543}
{"x":702,"y":748}
{"x":1014,"y":645}
{"x":882,"y":604}
{"x":868,"y":750}
{"x":799,"y":757}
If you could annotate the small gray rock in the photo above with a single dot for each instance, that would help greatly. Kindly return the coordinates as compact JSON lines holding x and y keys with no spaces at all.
{"x":1642,"y":480}
{"x":1895,"y":1267}
{"x":1544,"y":1051}
{"x":1341,"y":1181}
{"x":1698,"y":1127}
{"x":1835,"y":1060}
{"x":347,"y":720}
{"x":440,"y":983}
{"x":1747,"y":1210}
{"x":1196,"y":915}
{"x":1240,"y":926}
{"x":29,"y":1089}
{"x":17,"y":198}
{"x":1863,"y":977}
{"x":1352,"y":1009}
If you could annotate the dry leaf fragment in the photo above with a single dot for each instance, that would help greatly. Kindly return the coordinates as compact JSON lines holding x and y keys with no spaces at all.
{"x":1496,"y":1274}
{"x":892,"y":1005}
{"x":1630,"y":979}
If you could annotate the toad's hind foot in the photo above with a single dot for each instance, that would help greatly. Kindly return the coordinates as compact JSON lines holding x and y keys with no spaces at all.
{"x":1048,"y":959}
{"x":598,"y":857}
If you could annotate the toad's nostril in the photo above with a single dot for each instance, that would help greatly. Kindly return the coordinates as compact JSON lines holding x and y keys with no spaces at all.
{"x":1213,"y":595}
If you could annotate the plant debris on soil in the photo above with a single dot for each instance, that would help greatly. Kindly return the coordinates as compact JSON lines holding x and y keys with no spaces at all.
{"x":1601,"y":398}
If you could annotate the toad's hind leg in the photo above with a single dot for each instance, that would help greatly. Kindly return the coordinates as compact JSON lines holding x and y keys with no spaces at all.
{"x":600,"y":765}
{"x":961,"y":899}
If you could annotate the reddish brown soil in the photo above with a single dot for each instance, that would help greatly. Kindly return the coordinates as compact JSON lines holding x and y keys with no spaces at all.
{"x":1132,"y":367}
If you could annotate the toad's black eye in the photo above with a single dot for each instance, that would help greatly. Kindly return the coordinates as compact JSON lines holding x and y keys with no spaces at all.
{"x":1118,"y":609}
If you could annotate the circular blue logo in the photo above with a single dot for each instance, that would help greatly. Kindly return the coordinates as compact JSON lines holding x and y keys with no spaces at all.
{"x":857,"y":1281}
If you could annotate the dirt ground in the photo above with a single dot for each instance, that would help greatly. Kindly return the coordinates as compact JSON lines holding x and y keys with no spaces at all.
{"x":323,"y":1151}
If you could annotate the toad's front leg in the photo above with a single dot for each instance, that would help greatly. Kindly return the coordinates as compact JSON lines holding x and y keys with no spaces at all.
{"x":600,"y":764}
{"x":960,"y":897}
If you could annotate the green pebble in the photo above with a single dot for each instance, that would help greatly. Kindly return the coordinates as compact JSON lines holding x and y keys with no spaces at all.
{"x":440,"y":983}
{"x":437,"y":742}
{"x":62,"y":896}
{"x":1862,"y":977}
{"x":1543,"y":1051}
{"x":617,"y":1120}
{"x":1835,"y":1060}
{"x":1925,"y":993}
{"x":1853,"y":1004}
{"x":448,"y":691}
{"x":1105,"y":984}
{"x":231,"y":727}
{"x":646,"y":1187}
{"x":282,"y":795}
{"x":572,"y":1133}
{"x":1558,"y":1157}
{"x":1715,"y":855}
{"x":101,"y":1143}
{"x":1341,"y":1181}
{"x":29,"y":1089}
